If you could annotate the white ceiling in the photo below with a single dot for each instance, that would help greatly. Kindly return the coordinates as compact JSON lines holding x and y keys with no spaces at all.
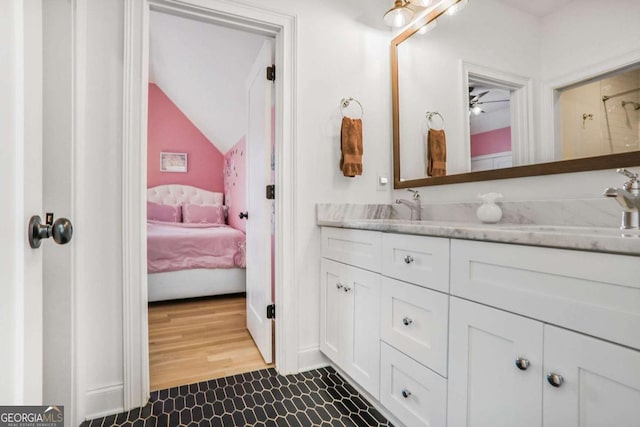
{"x":203,"y":68}
{"x":538,"y":8}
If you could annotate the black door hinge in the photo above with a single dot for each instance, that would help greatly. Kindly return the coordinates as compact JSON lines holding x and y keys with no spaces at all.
{"x":271,"y":73}
{"x":271,"y":311}
{"x":271,"y":192}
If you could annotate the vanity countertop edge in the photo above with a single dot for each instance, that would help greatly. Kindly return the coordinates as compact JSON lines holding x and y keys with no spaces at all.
{"x":592,"y":239}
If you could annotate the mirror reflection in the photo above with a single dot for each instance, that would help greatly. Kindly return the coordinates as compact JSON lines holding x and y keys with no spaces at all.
{"x":518,"y":83}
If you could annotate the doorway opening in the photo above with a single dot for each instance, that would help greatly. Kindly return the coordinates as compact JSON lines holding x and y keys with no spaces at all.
{"x":210,"y":228}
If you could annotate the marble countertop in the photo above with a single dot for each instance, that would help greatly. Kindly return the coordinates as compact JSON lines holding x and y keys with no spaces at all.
{"x":588,"y":238}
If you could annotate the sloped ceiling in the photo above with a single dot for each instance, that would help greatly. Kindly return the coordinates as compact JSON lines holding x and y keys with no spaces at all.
{"x":203,"y":69}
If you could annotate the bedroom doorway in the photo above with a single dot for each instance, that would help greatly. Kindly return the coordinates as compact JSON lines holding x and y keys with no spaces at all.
{"x":210,"y":155}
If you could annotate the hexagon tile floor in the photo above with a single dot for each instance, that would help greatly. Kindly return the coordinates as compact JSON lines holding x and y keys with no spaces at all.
{"x":262,"y":399}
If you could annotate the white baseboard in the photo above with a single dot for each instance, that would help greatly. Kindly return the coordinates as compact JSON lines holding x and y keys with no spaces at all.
{"x":104,"y":401}
{"x":311,"y":358}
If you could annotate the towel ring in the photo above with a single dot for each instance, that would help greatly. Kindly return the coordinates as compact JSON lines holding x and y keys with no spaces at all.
{"x":430,"y":115}
{"x":345,"y":102}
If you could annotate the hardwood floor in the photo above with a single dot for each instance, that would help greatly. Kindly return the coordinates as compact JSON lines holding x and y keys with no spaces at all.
{"x":199,"y":339}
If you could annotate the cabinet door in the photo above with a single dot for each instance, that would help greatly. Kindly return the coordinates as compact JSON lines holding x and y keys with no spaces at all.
{"x":486,"y":388}
{"x":363,"y":356}
{"x":335,"y":311}
{"x":600,"y":386}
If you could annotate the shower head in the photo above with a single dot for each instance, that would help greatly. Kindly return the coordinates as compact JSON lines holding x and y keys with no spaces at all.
{"x":636,"y":105}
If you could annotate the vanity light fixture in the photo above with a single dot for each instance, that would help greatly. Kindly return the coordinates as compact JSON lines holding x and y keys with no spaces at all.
{"x":399,"y":14}
{"x":453,"y":9}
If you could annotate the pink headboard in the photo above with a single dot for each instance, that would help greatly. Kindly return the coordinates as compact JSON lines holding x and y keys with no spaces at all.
{"x":177,"y":194}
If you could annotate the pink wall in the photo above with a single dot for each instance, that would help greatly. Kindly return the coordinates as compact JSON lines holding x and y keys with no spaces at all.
{"x":169,"y":130}
{"x":494,"y":141}
{"x":235,"y":190}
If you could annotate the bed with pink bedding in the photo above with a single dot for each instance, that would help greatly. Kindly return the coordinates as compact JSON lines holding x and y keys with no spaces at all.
{"x":179,"y":246}
{"x":187,"y":260}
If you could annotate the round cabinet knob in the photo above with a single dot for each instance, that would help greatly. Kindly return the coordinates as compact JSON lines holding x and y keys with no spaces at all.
{"x":62,"y":231}
{"x":407,"y":321}
{"x":347,"y":288}
{"x":339,"y":285}
{"x":522,"y":363}
{"x":554,"y":379}
{"x":243,"y":215}
{"x":405,"y":393}
{"x":408,"y":259}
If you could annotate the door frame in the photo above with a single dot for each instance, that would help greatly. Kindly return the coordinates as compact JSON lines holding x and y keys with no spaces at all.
{"x":134,"y":148}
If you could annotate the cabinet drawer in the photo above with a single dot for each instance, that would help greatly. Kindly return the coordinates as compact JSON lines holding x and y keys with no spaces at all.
{"x":417,"y":259}
{"x":360,"y":248}
{"x":415,"y":321}
{"x":594,"y":293}
{"x":416,"y":395}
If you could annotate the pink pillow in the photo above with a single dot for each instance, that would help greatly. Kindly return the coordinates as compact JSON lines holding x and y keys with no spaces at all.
{"x":166,"y":213}
{"x":203,"y":214}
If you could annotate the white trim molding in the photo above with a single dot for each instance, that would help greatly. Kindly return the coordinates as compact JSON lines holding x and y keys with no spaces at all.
{"x":136,"y":34}
{"x":522,"y":119}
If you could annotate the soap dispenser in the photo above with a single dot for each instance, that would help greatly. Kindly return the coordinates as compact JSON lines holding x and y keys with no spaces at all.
{"x":489,"y":212}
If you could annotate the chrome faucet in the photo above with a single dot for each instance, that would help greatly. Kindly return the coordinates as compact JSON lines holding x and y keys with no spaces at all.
{"x":629,"y":198}
{"x":413,"y":204}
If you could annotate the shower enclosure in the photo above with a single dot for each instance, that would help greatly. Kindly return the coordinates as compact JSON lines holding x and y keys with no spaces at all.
{"x":602,"y":116}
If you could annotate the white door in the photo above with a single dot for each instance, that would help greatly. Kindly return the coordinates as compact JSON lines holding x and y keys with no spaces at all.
{"x":600,"y":381}
{"x":21,"y":358}
{"x":258,"y":228}
{"x":486,"y":388}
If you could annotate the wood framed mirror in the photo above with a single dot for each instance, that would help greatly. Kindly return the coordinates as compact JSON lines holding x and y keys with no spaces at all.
{"x":523,"y":88}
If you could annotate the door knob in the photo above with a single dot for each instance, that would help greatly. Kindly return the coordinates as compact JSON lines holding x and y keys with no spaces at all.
{"x":61,"y":230}
{"x":244,"y":215}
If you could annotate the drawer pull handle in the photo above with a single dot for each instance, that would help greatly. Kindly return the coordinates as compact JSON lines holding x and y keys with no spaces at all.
{"x":554,"y":379}
{"x":339,"y":286}
{"x":406,"y":393}
{"x":522,"y":363}
{"x":407,"y":321}
{"x":408,"y":259}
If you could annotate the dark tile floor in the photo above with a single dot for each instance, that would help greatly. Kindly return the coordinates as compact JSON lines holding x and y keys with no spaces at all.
{"x":262,"y":398}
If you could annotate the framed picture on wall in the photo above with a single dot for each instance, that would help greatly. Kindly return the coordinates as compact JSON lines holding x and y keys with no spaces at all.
{"x":173,"y":162}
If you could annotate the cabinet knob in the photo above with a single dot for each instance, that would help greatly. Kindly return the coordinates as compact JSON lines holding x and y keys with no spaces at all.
{"x":347,"y":288}
{"x":554,"y":379}
{"x":522,"y":363}
{"x":408,"y":259}
{"x":407,"y":321}
{"x":339,"y":285}
{"x":405,"y":393}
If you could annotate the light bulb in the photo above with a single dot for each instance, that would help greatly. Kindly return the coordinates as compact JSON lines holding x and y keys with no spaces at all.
{"x":398,"y":15}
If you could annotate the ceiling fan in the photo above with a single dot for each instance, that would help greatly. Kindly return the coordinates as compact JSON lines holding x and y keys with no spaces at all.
{"x":475,"y":101}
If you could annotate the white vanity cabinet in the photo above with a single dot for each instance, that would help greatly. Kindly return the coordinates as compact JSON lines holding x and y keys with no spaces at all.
{"x":571,"y":379}
{"x":508,"y":370}
{"x":459,"y":333}
{"x":350,"y":311}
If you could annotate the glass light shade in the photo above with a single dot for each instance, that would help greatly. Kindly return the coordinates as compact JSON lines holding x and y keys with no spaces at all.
{"x":398,"y":15}
{"x":476,"y":110}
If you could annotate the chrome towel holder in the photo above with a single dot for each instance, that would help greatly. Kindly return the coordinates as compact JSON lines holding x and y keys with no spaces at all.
{"x":346,"y":102}
{"x":429,"y":115}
